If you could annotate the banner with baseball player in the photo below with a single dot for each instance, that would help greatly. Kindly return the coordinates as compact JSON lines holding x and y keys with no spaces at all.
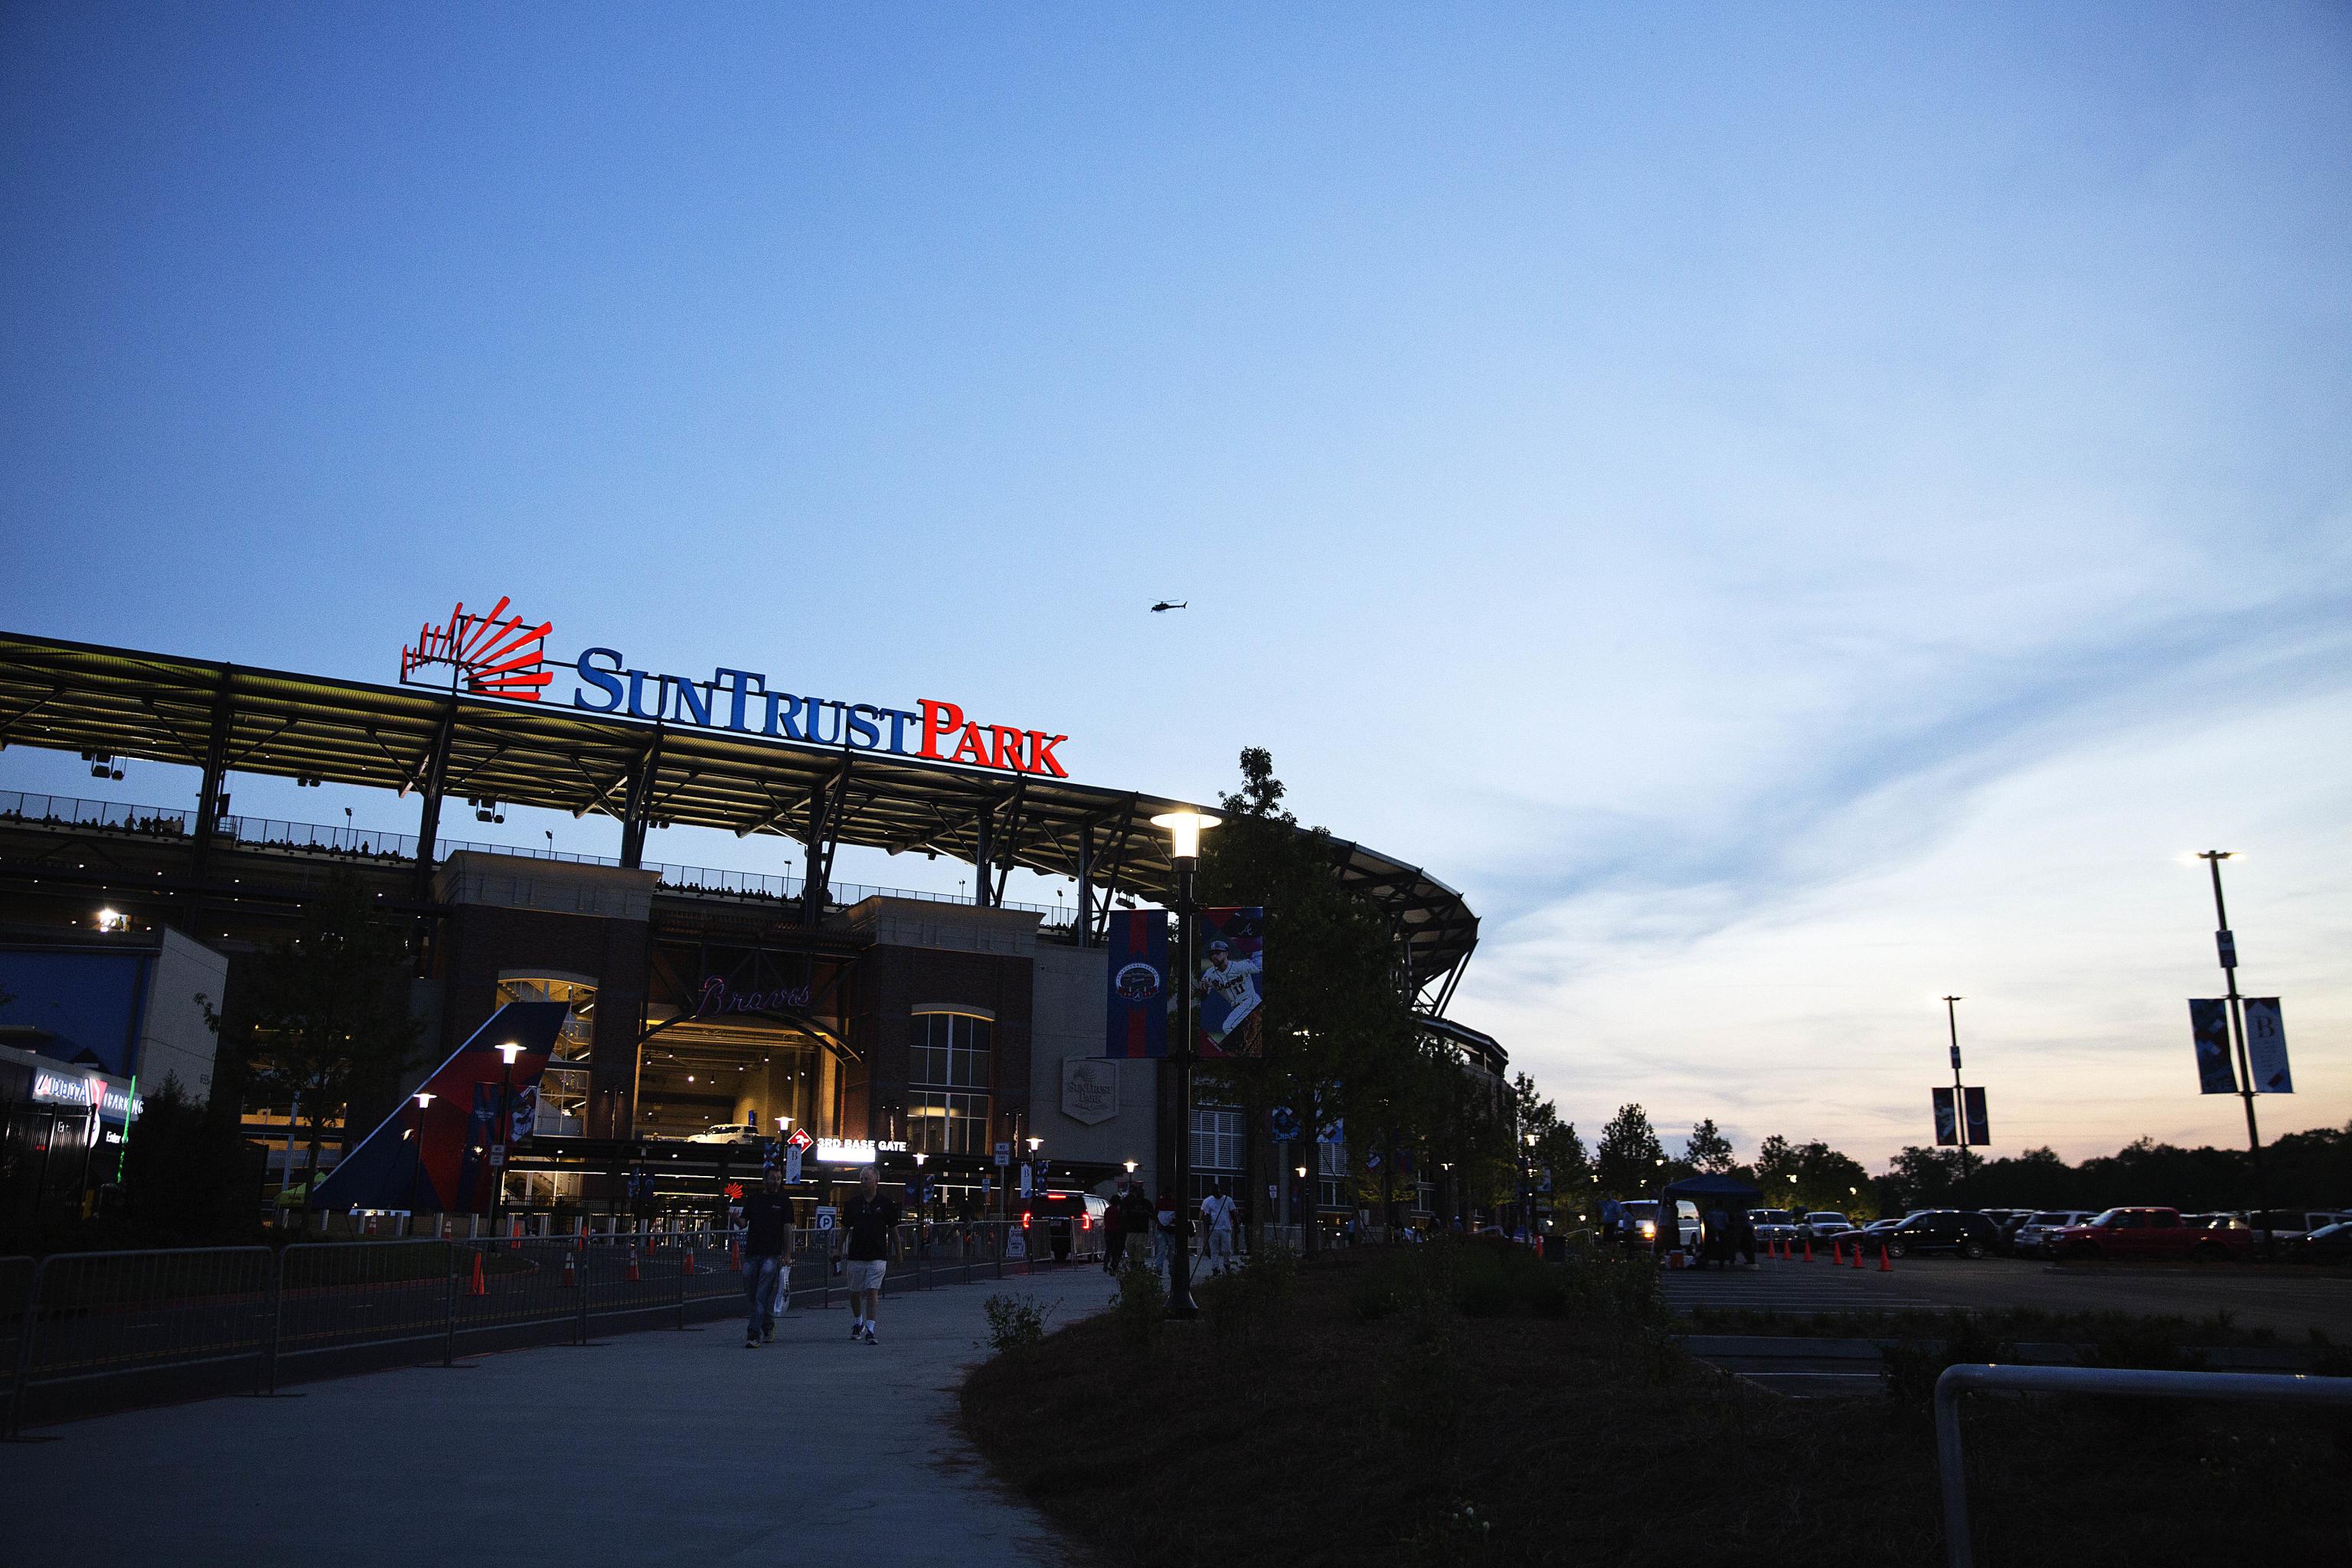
{"x":1228,"y":986}
{"x":1137,"y":1021}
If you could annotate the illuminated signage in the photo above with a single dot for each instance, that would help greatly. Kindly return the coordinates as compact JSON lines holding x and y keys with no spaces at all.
{"x":495,"y":654}
{"x":855,"y":1150}
{"x":741,"y":701}
{"x":717,"y":998}
{"x":84,"y":1089}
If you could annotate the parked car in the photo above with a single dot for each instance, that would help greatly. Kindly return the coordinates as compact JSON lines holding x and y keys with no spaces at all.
{"x":727,"y":1132}
{"x":1956,"y":1231}
{"x":1773,"y":1226}
{"x":1063,"y":1223}
{"x":1642,"y":1221}
{"x":2328,"y":1244}
{"x":1824,"y":1222}
{"x":2146,"y":1232}
{"x":2032,"y":1239}
{"x":2005,"y":1223}
{"x":2289,"y":1226}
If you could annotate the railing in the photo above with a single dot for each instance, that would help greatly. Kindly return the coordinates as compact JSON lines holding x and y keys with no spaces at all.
{"x":1958,"y":1379}
{"x":97,"y":1330}
{"x":314,"y":838}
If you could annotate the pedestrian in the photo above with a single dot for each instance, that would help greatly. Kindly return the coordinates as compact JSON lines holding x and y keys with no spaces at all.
{"x":1137,"y":1206}
{"x":868,"y":1237}
{"x":1717,"y":1233}
{"x":1115,"y":1227}
{"x":1163,"y":1231}
{"x":1743,"y":1228}
{"x":767,"y":1277}
{"x":1217,"y":1230}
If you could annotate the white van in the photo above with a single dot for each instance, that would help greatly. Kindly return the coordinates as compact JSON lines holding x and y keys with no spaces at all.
{"x":1642,"y":1221}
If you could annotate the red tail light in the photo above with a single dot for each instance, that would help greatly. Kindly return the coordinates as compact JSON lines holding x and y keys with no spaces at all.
{"x":1086,"y":1222}
{"x":1024,"y":1219}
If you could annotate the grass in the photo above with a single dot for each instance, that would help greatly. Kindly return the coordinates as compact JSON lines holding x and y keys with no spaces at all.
{"x":1454,"y":1403}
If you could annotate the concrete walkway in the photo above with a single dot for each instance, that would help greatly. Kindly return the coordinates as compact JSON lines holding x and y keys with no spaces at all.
{"x":663,"y":1447}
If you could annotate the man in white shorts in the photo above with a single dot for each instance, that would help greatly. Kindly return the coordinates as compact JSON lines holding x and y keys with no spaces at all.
{"x":1217,"y":1231}
{"x":868,"y":1236}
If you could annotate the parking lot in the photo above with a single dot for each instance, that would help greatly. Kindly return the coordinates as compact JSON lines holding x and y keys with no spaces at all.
{"x":2289,"y":1300}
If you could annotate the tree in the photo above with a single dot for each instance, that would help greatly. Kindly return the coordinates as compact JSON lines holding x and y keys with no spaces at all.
{"x":1811,"y":1176}
{"x":1630,"y":1155}
{"x":1339,"y":1038}
{"x":1709,"y":1150}
{"x":325,"y":1013}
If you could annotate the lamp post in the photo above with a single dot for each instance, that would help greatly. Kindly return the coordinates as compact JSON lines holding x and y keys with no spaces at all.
{"x":1959,"y":1095}
{"x":498,"y":1133}
{"x":423,"y":1098}
{"x":1184,"y":828}
{"x":2226,"y":942}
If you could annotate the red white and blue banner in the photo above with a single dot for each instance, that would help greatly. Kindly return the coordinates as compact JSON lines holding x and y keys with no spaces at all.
{"x":435,"y":1158}
{"x":1229,"y":984}
{"x":2208,"y":1021}
{"x":1972,"y":1105}
{"x":1137,"y":1023}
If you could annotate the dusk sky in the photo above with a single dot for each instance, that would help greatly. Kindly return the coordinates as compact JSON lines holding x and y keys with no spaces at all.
{"x":1794,"y":510}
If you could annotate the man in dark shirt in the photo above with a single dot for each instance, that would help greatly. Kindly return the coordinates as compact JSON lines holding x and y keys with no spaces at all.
{"x":767,"y":1238}
{"x":1140,"y":1217}
{"x":869,"y":1238}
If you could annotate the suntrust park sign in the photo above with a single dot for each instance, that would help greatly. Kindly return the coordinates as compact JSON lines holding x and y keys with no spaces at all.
{"x":742,"y":701}
{"x":498,"y":655}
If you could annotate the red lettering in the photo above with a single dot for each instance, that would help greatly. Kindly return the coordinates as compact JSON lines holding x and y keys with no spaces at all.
{"x":939,"y":720}
{"x":1041,"y":754}
{"x":973,"y":744}
{"x":1004,"y":748}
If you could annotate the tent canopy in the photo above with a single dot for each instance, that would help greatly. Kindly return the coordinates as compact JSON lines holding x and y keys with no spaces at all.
{"x":1731,"y":1190}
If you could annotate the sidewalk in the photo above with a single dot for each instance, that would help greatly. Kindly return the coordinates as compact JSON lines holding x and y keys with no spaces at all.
{"x":663,"y":1447}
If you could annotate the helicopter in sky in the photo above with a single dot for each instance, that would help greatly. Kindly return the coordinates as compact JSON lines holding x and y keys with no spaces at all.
{"x":1170,"y":605}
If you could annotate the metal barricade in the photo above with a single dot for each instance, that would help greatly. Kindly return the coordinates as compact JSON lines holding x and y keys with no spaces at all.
{"x":1955,"y":1381}
{"x":95,"y":1315}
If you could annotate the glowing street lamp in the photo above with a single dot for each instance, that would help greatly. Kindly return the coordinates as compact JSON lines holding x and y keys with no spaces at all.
{"x":416,"y":1151}
{"x":1184,"y":827}
{"x":499,"y":1135}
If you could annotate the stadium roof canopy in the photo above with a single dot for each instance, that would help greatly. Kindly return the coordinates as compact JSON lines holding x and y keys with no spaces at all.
{"x":162,"y":707}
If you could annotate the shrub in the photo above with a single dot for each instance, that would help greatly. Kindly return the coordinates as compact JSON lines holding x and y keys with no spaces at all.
{"x":1252,"y":1294}
{"x":1140,"y":1307}
{"x":1016,"y":1324}
{"x":1911,"y":1367}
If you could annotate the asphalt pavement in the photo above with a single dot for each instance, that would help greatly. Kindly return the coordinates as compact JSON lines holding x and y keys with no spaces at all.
{"x":661,"y":1446}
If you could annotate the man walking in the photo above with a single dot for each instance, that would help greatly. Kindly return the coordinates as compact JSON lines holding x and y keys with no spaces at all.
{"x":1115,"y":1227}
{"x":1217,"y":1237}
{"x":1137,"y":1207}
{"x":767,"y":1278}
{"x":869,"y":1238}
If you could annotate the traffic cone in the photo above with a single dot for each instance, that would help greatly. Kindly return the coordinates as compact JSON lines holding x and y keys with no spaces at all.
{"x":514,"y":1233}
{"x":1837,"y":1253}
{"x":1857,"y":1255}
{"x":685,"y":1261}
{"x":570,"y":1273}
{"x":735,"y":1254}
{"x":1809,"y":1246}
{"x":480,"y":1287}
{"x":1885,"y":1261}
{"x":632,"y":1277}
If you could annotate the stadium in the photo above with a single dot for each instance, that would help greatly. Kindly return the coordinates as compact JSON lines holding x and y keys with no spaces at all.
{"x":949,"y":1038}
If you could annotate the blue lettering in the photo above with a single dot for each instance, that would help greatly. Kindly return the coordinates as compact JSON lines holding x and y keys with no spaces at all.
{"x":898,"y":722}
{"x":600,"y":680}
{"x":862,"y":731}
{"x":816,"y":729}
{"x":637,"y":690}
{"x":783,"y":709}
{"x":693,"y":699}
{"x":740,"y":684}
